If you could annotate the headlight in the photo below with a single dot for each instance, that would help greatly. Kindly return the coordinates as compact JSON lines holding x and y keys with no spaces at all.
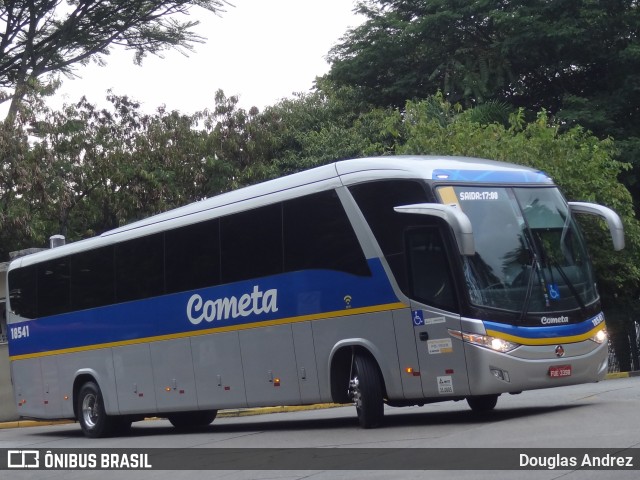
{"x":492,"y":343}
{"x":600,"y":336}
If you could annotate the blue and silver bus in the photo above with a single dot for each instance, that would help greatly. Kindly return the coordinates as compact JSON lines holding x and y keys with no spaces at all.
{"x":392,"y":280}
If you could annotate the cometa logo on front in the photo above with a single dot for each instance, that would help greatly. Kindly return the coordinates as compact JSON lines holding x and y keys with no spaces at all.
{"x":554,"y":320}
{"x":254,"y":303}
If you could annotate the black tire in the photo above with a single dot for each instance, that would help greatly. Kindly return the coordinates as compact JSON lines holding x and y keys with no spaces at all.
{"x":122,"y":426}
{"x":482,"y":403}
{"x":94,"y":421}
{"x":365,"y":388}
{"x":192,"y":420}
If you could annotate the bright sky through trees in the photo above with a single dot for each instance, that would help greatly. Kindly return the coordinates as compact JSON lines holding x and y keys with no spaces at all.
{"x":260,"y":50}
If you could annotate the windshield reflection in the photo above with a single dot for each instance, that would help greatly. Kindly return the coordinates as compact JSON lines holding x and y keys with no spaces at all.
{"x":530,"y":255}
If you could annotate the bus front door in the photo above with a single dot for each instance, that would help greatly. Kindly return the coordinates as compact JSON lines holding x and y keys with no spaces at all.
{"x":441,"y":357}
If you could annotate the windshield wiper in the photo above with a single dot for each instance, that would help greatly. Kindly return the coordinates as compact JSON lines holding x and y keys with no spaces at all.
{"x":569,"y":283}
{"x":536,"y":271}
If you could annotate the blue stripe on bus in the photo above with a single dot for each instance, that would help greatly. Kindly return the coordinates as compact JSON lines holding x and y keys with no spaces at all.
{"x":491,"y":176}
{"x":298,"y":294}
{"x":544,"y":332}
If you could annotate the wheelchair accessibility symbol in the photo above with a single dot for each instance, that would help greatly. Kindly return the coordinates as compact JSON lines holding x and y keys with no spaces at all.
{"x":418,"y":317}
{"x":554,"y":291}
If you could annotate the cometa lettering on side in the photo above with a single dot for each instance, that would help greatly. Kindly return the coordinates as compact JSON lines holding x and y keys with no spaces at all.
{"x":255,"y":303}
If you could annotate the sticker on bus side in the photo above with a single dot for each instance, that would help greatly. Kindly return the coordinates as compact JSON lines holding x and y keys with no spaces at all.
{"x":440,"y":345}
{"x":445,"y":385}
{"x":434,"y":320}
{"x":417,"y":317}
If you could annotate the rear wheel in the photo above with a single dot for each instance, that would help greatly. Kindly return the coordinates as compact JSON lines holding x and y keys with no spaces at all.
{"x":122,"y":425}
{"x":94,"y":421}
{"x":482,"y":403}
{"x":192,"y":420}
{"x":365,"y":389}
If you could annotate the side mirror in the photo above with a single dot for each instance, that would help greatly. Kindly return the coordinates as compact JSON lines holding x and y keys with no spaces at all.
{"x":613,"y":220}
{"x":456,"y":218}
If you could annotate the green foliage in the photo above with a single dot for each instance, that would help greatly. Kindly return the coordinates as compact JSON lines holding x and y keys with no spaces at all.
{"x":577,"y":59}
{"x":528,"y":53}
{"x":314,"y":129}
{"x":20,"y":176}
{"x":96,"y":169}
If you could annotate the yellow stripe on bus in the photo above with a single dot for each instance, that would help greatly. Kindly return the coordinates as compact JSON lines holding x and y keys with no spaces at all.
{"x":208,"y":331}
{"x":545,"y":341}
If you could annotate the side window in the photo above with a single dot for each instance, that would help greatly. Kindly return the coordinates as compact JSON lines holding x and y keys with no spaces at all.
{"x":92,"y":279}
{"x":377,"y":200}
{"x":22,"y":292}
{"x":251,"y":244}
{"x":139,"y":268}
{"x":429,"y":269}
{"x":192,"y":256}
{"x":53,"y":287}
{"x":318,"y":235}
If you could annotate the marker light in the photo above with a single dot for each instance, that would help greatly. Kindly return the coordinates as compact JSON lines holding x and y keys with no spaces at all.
{"x":600,"y":336}
{"x":492,"y":343}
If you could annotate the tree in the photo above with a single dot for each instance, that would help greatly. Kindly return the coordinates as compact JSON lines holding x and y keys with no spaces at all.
{"x":319,"y":128}
{"x":19,"y":177}
{"x":530,"y":53}
{"x":40,"y":37}
{"x":577,"y":59}
{"x":102,"y":168}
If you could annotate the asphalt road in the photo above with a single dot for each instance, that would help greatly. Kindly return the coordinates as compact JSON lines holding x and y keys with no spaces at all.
{"x":605,"y":415}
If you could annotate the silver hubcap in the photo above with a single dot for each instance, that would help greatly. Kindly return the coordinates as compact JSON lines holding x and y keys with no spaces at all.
{"x":90,"y":410}
{"x":354,"y":390}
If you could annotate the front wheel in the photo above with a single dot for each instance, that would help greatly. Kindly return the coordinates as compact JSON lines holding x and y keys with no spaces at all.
{"x":366,"y":391}
{"x":94,"y":421}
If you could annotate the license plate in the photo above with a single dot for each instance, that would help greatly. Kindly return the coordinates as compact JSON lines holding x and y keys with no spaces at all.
{"x":560,"y":371}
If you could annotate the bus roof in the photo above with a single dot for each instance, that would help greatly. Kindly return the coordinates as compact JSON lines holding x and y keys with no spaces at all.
{"x":345,"y":172}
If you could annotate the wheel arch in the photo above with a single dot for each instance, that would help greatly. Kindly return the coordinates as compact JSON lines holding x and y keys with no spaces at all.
{"x":82,"y":377}
{"x":340,"y":361}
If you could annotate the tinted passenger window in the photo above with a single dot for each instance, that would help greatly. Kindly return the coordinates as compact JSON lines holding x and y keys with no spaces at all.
{"x":92,"y":279}
{"x":53,"y":287}
{"x":251,"y":244}
{"x":139,"y":268}
{"x":22,"y":282}
{"x":318,"y":235}
{"x":193,"y":256}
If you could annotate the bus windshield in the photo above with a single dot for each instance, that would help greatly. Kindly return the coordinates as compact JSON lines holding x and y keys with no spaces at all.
{"x":530,"y":256}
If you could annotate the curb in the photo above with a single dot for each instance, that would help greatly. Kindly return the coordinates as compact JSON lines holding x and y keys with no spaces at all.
{"x":245,"y":412}
{"x":32,"y":423}
{"x":238,"y":412}
{"x":611,"y":376}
